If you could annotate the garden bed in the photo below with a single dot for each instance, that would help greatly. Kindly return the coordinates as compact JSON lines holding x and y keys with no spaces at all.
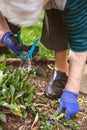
{"x":45,"y":108}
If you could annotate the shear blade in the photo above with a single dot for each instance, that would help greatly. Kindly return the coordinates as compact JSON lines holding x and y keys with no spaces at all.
{"x":25,"y":64}
{"x":22,"y":64}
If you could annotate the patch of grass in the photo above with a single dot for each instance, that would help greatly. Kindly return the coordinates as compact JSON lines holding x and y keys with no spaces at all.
{"x":56,"y":122}
{"x":15,"y":91}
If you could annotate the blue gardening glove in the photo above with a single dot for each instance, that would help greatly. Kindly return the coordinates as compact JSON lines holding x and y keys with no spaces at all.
{"x":69,"y":103}
{"x":13,"y":42}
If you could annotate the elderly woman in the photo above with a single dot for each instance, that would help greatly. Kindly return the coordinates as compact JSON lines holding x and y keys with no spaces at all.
{"x":74,"y":16}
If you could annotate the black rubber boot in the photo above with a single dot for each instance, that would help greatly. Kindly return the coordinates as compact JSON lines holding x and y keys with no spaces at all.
{"x":56,"y":84}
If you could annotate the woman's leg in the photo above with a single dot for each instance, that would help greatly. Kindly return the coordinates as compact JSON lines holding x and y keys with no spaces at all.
{"x":61,"y":63}
{"x":54,"y":38}
{"x":59,"y":76}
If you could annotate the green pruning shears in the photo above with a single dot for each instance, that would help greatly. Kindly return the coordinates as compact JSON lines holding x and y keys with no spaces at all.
{"x":26,"y":57}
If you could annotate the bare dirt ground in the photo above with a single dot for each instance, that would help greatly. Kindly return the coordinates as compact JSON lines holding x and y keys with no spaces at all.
{"x":17,"y":123}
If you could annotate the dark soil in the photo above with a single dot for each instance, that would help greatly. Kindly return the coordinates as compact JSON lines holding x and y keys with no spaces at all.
{"x":17,"y":123}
